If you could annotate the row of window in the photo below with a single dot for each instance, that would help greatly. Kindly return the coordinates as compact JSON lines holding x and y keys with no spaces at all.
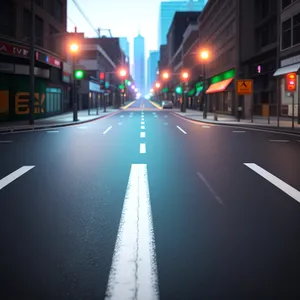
{"x":290,"y":32}
{"x":54,"y":7}
{"x":266,"y":34}
{"x":53,"y":100}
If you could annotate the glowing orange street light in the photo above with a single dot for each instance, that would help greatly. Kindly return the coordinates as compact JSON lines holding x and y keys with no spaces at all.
{"x":157,"y":85}
{"x":151,"y":91}
{"x":185,"y":75}
{"x":74,"y":47}
{"x":204,"y":54}
{"x":122,"y":72}
{"x":166,"y":75}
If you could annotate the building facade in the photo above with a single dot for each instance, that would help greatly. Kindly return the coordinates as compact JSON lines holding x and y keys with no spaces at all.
{"x":52,"y":74}
{"x":167,"y":12}
{"x":139,"y":63}
{"x":152,"y":67}
{"x":124,"y":44}
{"x":288,"y":54}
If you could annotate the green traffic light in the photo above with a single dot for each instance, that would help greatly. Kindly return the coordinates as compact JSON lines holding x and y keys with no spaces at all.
{"x":79,"y":74}
{"x":178,"y":90}
{"x":121,"y":86}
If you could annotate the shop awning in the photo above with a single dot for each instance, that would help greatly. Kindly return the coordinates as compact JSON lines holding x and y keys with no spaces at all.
{"x":287,"y":69}
{"x":219,"y":86}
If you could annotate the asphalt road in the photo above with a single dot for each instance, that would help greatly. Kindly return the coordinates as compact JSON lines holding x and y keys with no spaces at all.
{"x":172,"y":210}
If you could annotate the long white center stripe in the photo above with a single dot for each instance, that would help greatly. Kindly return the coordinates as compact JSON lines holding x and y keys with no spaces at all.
{"x":133,"y":273}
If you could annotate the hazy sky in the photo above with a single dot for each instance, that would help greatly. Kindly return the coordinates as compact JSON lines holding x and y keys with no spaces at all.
{"x":122,"y":17}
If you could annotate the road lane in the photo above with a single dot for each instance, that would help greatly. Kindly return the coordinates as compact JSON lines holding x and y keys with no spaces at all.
{"x":221,"y":231}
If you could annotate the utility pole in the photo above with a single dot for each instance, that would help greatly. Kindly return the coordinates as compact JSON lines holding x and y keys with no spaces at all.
{"x":32,"y":64}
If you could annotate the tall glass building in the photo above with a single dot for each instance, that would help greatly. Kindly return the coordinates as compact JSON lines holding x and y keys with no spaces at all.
{"x":139,"y":63}
{"x":167,"y":12}
{"x":152,"y":68}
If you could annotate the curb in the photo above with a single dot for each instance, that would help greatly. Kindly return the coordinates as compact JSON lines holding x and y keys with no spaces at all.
{"x":39,"y":127}
{"x":273,"y":129}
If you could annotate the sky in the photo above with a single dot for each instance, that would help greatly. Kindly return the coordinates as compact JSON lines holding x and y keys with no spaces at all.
{"x":123,"y":17}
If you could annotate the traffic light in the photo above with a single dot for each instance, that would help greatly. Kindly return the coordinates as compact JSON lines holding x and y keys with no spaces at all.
{"x":79,"y":74}
{"x":121,"y":86}
{"x":102,"y":80}
{"x":178,"y":89}
{"x":291,"y":82}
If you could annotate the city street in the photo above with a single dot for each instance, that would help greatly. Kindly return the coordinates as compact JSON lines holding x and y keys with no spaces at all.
{"x":145,"y":204}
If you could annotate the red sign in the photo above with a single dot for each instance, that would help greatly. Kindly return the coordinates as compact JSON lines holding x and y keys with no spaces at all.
{"x":47,"y":59}
{"x":15,"y":50}
{"x":291,"y":82}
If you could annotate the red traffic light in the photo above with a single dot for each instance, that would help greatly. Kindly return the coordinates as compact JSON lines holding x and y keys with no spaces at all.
{"x":291,"y":82}
{"x":102,"y":75}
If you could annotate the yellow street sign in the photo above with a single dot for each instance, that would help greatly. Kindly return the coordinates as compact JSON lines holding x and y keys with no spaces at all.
{"x":244,"y":86}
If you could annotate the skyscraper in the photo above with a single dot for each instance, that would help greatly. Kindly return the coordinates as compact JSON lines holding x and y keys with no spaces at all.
{"x":139,"y":63}
{"x":167,"y":11}
{"x":124,"y":44}
{"x":152,"y":68}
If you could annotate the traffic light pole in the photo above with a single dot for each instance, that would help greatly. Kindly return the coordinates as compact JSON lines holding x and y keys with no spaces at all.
{"x":32,"y":63}
{"x":75,"y":110}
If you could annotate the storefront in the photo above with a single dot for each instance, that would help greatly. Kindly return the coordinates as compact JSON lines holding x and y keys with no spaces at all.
{"x":221,"y":92}
{"x":289,"y":65}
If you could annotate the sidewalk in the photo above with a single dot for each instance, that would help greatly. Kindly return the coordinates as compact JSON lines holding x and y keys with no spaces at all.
{"x":65,"y":119}
{"x":285,"y":124}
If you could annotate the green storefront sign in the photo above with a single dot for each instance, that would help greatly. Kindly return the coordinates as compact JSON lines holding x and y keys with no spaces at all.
{"x":223,"y":76}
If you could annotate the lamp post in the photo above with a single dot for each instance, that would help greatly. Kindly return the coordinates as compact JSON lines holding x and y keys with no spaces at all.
{"x":32,"y":64}
{"x":74,"y":48}
{"x":123,"y":73}
{"x":157,"y":85}
{"x":185,"y":77}
{"x":204,"y":54}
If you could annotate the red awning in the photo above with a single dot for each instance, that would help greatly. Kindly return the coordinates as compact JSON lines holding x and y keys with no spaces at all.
{"x":219,"y":86}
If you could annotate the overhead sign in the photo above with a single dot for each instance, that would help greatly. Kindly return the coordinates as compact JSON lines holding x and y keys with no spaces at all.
{"x":48,"y":59}
{"x":244,"y":86}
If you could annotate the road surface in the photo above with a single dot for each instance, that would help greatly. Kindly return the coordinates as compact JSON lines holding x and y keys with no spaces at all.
{"x":147,"y":205}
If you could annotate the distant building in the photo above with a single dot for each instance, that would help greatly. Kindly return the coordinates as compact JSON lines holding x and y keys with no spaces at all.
{"x":152,"y":68}
{"x":124,"y":44}
{"x":139,"y":63}
{"x":167,"y":12}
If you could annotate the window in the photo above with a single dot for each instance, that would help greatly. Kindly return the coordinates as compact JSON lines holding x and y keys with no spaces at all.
{"x":39,"y":31}
{"x":57,"y":10}
{"x":296,"y":29}
{"x":6,"y":18}
{"x":285,"y":3}
{"x":286,"y":34}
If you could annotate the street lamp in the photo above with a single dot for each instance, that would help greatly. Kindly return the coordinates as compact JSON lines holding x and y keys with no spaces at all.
{"x":157,"y":85}
{"x":184,"y":76}
{"x":204,"y":54}
{"x":166,"y":75}
{"x":123,"y":73}
{"x":74,"y":48}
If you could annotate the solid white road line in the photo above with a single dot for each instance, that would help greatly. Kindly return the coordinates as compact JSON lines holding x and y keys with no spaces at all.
{"x":181,"y":129}
{"x":142,"y":127}
{"x":14,"y":175}
{"x":143,"y":134}
{"x":238,"y":131}
{"x":52,"y":131}
{"x":142,"y":148}
{"x":107,"y":130}
{"x":289,"y":190}
{"x":133,"y":274}
{"x":279,"y":141}
{"x":201,"y":176}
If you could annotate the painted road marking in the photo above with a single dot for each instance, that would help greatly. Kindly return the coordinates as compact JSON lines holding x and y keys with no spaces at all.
{"x":119,"y":123}
{"x":82,"y":127}
{"x":201,"y":176}
{"x":205,"y":126}
{"x":133,"y":274}
{"x":289,"y":190}
{"x":181,"y":130}
{"x":107,"y":130}
{"x":52,"y":131}
{"x":142,"y":127}
{"x":122,"y":116}
{"x":238,"y":131}
{"x":143,"y":134}
{"x":143,"y":123}
{"x":165,"y":123}
{"x":5,"y":142}
{"x":166,"y":116}
{"x":279,"y":141}
{"x":142,"y":148}
{"x":14,"y":175}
